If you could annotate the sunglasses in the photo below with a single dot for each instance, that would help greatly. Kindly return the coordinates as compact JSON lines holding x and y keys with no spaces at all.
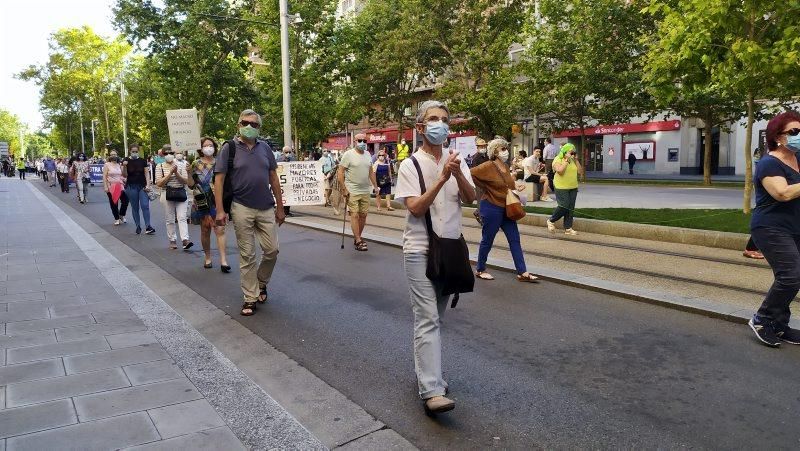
{"x":250,"y":123}
{"x":791,"y":132}
{"x":362,"y":140}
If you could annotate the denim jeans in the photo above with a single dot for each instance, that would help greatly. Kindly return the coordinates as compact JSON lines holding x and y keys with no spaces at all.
{"x":566,"y":206}
{"x":781,"y":249}
{"x":494,"y":219}
{"x":138,"y":199}
{"x":428,"y":305}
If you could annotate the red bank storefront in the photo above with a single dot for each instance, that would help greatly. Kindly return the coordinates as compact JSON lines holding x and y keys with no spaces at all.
{"x":656,"y":146}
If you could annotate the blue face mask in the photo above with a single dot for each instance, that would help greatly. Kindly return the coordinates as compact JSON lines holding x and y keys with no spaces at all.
{"x":436,"y":132}
{"x":362,"y":146}
{"x":793,"y":142}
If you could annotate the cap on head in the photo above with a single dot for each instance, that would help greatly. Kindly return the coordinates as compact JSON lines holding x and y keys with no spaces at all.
{"x":480,"y":142}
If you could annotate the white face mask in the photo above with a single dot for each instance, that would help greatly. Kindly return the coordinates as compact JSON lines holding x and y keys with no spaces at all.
{"x":208,"y":151}
{"x":482,"y":150}
{"x":503,"y":155}
{"x":169,"y":158}
{"x":179,"y":157}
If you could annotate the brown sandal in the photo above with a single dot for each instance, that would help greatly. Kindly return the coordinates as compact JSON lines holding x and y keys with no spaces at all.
{"x":361,"y":246}
{"x":251,"y":306}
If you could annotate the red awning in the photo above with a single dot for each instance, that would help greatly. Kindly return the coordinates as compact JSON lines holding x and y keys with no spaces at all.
{"x":619,"y":129}
{"x":336,"y":143}
{"x":388,"y":135}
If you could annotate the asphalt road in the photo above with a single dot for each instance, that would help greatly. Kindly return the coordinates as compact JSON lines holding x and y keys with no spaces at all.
{"x":530,"y":366}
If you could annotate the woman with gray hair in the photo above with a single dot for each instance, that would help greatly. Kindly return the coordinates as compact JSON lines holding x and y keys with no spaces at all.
{"x":495,"y":179}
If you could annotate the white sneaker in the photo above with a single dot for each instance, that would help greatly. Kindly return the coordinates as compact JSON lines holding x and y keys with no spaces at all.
{"x":570,"y":232}
{"x":551,"y":227}
{"x":124,"y":220}
{"x":116,"y":222}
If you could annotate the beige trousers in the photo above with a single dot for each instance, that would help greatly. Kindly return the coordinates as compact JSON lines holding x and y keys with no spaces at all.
{"x":251,"y":225}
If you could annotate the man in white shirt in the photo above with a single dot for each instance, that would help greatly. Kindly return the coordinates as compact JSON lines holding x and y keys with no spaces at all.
{"x":357,"y":180}
{"x":448,"y":183}
{"x":550,"y":153}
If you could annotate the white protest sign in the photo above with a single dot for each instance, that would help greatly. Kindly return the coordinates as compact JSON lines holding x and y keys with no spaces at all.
{"x":184,"y":130}
{"x":302,"y":183}
{"x":465,"y":145}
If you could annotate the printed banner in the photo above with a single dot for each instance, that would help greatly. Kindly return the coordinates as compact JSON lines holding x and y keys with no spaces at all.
{"x":302,"y":183}
{"x":96,"y":173}
{"x":184,"y":130}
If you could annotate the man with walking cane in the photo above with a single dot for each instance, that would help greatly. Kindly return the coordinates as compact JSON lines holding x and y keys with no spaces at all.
{"x":357,"y":181}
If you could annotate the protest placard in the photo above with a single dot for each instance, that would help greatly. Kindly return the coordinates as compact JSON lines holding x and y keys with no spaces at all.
{"x":95,"y":173}
{"x":184,"y":130}
{"x":302,"y":183}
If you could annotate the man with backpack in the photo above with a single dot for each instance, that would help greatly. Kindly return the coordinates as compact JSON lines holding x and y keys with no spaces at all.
{"x":247,"y":188}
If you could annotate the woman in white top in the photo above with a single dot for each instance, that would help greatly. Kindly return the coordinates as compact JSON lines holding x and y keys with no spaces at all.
{"x":448,"y":183}
{"x":80,"y":172}
{"x":114,"y":183}
{"x":172,"y":177}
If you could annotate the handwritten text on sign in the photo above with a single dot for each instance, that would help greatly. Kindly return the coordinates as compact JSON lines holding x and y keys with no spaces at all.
{"x":302,"y":183}
{"x":184,"y":130}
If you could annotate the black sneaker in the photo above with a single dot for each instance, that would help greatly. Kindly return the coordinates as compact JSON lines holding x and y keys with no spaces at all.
{"x":138,"y":230}
{"x":149,"y":230}
{"x":789,"y":335}
{"x":765,"y":333}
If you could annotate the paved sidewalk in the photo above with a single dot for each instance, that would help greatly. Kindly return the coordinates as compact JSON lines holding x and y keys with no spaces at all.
{"x":92,"y":359}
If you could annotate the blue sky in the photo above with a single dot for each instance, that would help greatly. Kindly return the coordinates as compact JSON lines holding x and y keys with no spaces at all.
{"x":25,"y":27}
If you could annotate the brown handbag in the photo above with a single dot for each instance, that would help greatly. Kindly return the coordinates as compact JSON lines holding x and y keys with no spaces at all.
{"x":514,"y":209}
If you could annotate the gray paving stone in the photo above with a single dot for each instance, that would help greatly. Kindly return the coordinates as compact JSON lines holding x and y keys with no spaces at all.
{"x":117,"y":357}
{"x":32,"y":296}
{"x":127,"y":340}
{"x":96,"y":307}
{"x":102,"y":297}
{"x":114,"y":317}
{"x":35,"y":312}
{"x":185,"y":418}
{"x":55,"y":279}
{"x":23,"y":372}
{"x":146,"y":373}
{"x":66,"y":348}
{"x":38,"y":417}
{"x":109,"y":434}
{"x":134,"y":399}
{"x":79,"y":332}
{"x":39,"y":287}
{"x":52,"y":270}
{"x":38,"y":337}
{"x":211,"y":440}
{"x":22,"y":326}
{"x":65,"y":387}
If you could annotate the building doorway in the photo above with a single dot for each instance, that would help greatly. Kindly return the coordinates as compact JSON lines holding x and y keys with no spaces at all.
{"x":714,"y":150}
{"x":594,"y":148}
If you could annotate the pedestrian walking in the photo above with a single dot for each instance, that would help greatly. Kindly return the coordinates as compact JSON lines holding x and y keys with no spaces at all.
{"x":173,"y":178}
{"x":775,"y":229}
{"x":567,"y":169}
{"x":114,"y":186}
{"x":40,"y":170}
{"x":403,"y":152}
{"x":550,"y":153}
{"x":80,"y":173}
{"x":63,"y":174}
{"x":358,"y":180}
{"x":383,"y":175}
{"x":447,"y":183}
{"x":246,"y":172}
{"x":631,"y":162}
{"x":495,"y":179}
{"x":328,"y":165}
{"x":21,"y":168}
{"x":50,"y":170}
{"x":136,"y":172}
{"x":204,"y":210}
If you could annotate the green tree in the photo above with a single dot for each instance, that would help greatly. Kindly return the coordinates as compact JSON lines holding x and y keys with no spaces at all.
{"x":582,"y":64}
{"x":38,"y":145}
{"x":683,"y":60}
{"x":762,"y":40}
{"x":10,"y":126}
{"x":82,"y":73}
{"x":196,"y":60}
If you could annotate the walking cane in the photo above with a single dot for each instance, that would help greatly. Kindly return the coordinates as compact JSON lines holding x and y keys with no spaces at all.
{"x":344,"y":219}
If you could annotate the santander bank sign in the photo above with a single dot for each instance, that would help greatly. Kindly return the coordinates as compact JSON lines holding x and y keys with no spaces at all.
{"x":657,"y":126}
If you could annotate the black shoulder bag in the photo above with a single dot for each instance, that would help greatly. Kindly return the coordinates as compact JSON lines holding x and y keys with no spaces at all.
{"x":448,"y":258}
{"x":227,"y":190}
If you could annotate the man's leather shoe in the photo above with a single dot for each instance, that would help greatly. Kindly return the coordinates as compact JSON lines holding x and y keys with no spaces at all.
{"x":439,"y":404}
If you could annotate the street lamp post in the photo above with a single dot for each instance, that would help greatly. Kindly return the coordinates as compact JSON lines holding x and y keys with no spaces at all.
{"x":285,"y":74}
{"x":80,"y":118}
{"x":93,"y":148}
{"x":124,"y":121}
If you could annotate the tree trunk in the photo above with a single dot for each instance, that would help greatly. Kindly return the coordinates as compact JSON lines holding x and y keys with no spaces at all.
{"x":707,"y":144}
{"x":748,"y":156}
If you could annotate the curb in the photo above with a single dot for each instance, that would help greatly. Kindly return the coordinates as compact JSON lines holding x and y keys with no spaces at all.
{"x":699,"y":306}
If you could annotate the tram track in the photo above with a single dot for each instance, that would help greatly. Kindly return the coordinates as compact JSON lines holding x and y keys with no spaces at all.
{"x":610,"y":266}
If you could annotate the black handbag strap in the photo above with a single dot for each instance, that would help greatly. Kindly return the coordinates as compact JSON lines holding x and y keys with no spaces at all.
{"x":428,"y":220}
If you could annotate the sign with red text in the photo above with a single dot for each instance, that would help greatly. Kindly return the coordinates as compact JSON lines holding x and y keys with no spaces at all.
{"x":620,"y":129}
